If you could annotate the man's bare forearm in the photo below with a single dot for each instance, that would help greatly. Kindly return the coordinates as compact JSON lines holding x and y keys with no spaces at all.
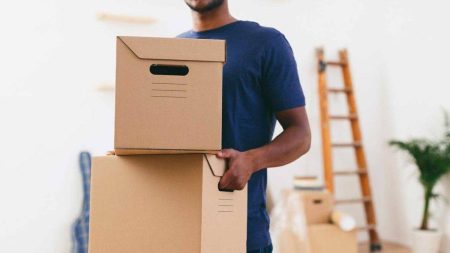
{"x":292,"y":143}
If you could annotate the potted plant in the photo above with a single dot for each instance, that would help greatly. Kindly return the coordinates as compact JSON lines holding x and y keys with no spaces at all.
{"x":432,"y":158}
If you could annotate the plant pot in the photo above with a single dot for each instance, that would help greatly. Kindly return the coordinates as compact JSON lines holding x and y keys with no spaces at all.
{"x":426,"y":241}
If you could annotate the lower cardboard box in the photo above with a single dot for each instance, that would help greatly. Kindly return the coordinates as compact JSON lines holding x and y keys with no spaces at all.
{"x":164,"y":203}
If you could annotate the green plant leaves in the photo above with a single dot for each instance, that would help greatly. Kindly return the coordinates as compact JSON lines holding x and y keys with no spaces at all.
{"x":432,"y":158}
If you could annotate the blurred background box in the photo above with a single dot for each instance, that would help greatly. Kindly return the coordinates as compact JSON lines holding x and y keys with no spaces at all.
{"x":318,"y":206}
{"x":301,"y":222}
{"x":329,"y":238}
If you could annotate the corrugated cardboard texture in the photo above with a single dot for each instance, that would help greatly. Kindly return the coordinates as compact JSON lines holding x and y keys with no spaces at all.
{"x":318,"y":206}
{"x":327,"y":238}
{"x":163,"y":203}
{"x":145,"y":204}
{"x":168,"y":112}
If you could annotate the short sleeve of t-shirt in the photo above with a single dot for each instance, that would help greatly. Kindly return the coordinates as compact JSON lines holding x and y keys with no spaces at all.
{"x":281,"y":83}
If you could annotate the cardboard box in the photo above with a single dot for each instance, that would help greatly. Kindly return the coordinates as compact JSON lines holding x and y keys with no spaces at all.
{"x":164,"y":203}
{"x":327,"y":238}
{"x":318,"y":206}
{"x":168,"y":95}
{"x":306,"y":227}
{"x":290,"y":242}
{"x":319,"y":238}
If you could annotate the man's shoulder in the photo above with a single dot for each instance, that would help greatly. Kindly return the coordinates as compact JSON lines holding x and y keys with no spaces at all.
{"x":264,"y":32}
{"x":269,"y":37}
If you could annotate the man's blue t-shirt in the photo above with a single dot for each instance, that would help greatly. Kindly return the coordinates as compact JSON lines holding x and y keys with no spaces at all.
{"x":259,"y":78}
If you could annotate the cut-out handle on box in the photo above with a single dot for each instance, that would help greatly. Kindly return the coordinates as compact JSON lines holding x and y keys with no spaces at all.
{"x":317,"y":201}
{"x":169,"y":70}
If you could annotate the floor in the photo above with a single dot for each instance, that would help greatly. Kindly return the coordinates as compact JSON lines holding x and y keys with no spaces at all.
{"x":387,"y":248}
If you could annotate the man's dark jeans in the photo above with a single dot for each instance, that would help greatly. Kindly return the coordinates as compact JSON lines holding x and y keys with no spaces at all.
{"x":267,"y":249}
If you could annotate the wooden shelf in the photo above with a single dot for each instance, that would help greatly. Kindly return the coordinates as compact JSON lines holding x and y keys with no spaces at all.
{"x":105,"y":87}
{"x":104,"y":16}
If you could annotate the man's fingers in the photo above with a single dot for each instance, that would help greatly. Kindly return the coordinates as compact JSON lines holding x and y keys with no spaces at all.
{"x":224,"y":181}
{"x":233,"y":178}
{"x":227,"y":180}
{"x":230,"y":181}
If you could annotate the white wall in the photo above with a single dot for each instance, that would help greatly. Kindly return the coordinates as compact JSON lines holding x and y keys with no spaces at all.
{"x":55,"y":53}
{"x":398,"y":53}
{"x":415,"y":53}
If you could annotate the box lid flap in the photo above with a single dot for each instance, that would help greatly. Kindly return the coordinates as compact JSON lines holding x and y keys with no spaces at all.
{"x":176,"y":48}
{"x":216,"y":165}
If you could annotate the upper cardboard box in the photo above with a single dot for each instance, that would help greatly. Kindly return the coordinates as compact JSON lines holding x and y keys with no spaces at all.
{"x":168,"y":95}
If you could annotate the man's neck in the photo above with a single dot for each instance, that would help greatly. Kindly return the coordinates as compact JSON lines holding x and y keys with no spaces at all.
{"x":212,"y":19}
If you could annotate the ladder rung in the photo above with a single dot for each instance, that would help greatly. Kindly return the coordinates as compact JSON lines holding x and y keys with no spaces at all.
{"x":336,"y":90}
{"x":335,"y":63}
{"x":350,"y":172}
{"x":367,"y":227}
{"x":340,"y":117}
{"x":351,"y":201}
{"x":344,"y":145}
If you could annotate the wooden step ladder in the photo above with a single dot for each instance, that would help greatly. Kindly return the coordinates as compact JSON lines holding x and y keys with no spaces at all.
{"x":327,"y":144}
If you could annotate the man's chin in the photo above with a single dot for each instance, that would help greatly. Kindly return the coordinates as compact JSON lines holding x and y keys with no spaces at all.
{"x":214,"y":4}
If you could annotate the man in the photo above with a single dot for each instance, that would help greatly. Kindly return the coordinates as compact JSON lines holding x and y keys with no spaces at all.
{"x":260,"y":85}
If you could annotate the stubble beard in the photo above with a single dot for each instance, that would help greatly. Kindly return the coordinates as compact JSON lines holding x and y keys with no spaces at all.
{"x":210,"y":6}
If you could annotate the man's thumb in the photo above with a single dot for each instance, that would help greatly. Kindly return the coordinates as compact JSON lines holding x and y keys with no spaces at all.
{"x":225,"y":153}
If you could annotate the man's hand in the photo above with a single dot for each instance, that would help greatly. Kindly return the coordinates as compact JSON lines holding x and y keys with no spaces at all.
{"x":241,"y":165}
{"x":293,"y":142}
